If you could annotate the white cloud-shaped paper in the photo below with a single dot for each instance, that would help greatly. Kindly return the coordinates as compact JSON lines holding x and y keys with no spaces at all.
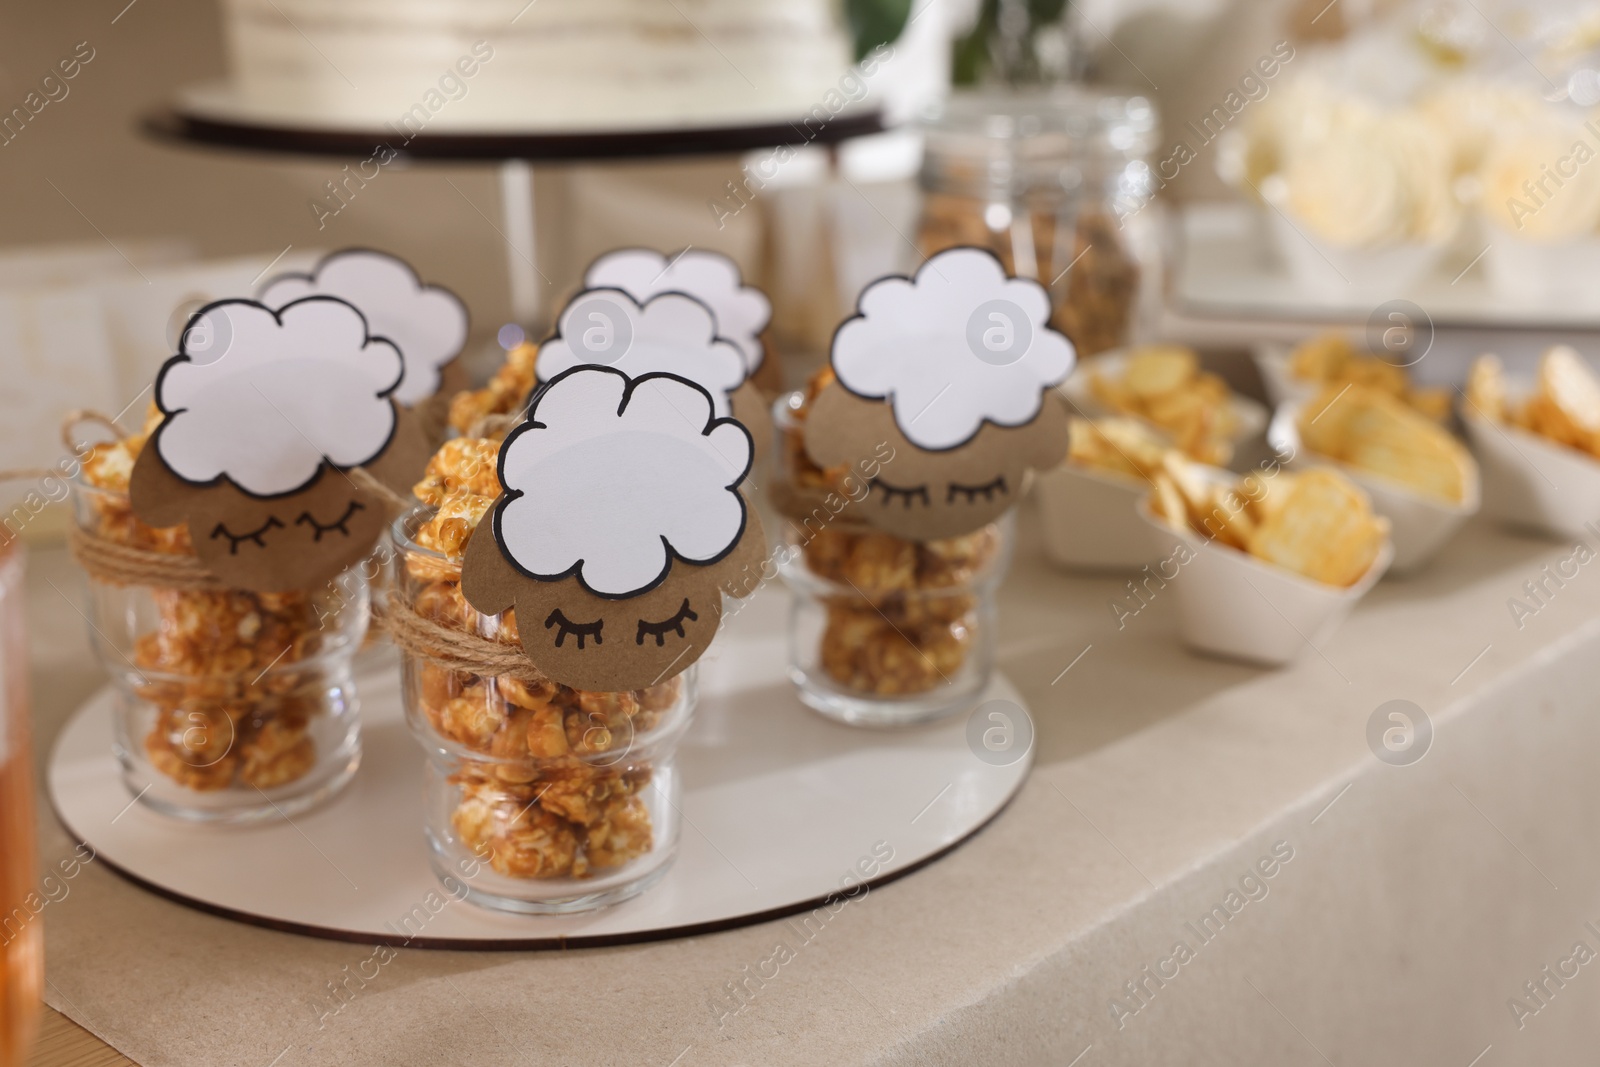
{"x":671,"y":333}
{"x":426,"y":322}
{"x":264,"y":398}
{"x":615,"y":477}
{"x":916,"y":341}
{"x":741,"y":311}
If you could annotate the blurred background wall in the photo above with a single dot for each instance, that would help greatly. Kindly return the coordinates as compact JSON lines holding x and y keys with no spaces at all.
{"x":81,"y":172}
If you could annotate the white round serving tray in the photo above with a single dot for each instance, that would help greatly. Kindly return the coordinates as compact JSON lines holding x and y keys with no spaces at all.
{"x":779,"y":807}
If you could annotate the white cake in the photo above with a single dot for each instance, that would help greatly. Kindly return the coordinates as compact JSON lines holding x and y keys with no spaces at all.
{"x":541,"y":65}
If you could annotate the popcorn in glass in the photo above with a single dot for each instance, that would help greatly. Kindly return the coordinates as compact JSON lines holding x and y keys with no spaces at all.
{"x":231,"y":706}
{"x":883,"y":630}
{"x":556,"y":799}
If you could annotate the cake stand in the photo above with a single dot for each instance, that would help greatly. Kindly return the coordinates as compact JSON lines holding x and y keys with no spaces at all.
{"x":215,"y":117}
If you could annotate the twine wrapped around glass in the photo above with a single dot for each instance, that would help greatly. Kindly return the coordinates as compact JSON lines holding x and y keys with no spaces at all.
{"x":231,"y":706}
{"x":539,"y":798}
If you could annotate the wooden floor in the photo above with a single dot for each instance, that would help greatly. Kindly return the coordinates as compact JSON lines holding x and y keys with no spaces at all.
{"x":63,"y":1043}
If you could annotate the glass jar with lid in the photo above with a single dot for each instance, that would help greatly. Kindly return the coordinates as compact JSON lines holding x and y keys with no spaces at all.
{"x":1056,"y":182}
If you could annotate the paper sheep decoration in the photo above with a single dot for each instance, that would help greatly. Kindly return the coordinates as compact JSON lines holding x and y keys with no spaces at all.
{"x":428,"y":323}
{"x":742,"y":311}
{"x":951,"y":371}
{"x":620,"y":527}
{"x":637,"y":316}
{"x":264,"y":412}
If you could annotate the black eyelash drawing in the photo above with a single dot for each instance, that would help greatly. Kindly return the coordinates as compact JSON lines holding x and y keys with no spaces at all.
{"x":305,"y":517}
{"x":891,"y":491}
{"x":661,"y":629}
{"x":254,"y":535}
{"x":580,"y":630}
{"x":974,"y":491}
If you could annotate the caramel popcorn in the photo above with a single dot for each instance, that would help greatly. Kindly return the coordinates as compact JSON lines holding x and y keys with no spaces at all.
{"x":556,"y":793}
{"x":218,"y":665}
{"x":907,"y":626}
{"x":506,"y":392}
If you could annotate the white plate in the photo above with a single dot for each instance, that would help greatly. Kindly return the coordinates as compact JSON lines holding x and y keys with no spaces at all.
{"x":779,"y":807}
{"x":1419,"y":525}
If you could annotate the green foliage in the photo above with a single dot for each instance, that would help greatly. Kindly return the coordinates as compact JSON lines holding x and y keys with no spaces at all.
{"x":876,"y":22}
{"x":977,"y":54}
{"x":971,"y":56}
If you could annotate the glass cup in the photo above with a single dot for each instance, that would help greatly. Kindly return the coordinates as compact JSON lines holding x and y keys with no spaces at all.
{"x":539,"y":798}
{"x":231,"y":706}
{"x":882,"y":631}
{"x":21,"y":941}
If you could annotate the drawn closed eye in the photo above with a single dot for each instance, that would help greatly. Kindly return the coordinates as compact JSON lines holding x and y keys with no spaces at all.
{"x":660,"y":629}
{"x":987,"y":491}
{"x":349,"y":513}
{"x":253,"y":535}
{"x":580,"y":630}
{"x":907,"y":495}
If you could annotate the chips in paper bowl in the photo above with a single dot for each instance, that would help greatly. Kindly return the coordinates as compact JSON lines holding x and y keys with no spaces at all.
{"x":1540,"y":456}
{"x":1417,"y":474}
{"x":1275,"y":561}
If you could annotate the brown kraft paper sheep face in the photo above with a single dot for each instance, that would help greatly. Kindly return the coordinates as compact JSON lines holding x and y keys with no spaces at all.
{"x":927,"y":496}
{"x":953,"y":369}
{"x":621,"y":528}
{"x":265,"y":413}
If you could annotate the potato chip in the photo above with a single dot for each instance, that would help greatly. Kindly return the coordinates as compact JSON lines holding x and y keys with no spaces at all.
{"x":1572,"y":396}
{"x":1317,"y":523}
{"x":1433,"y":402}
{"x":1564,"y":407}
{"x":1122,"y":446}
{"x":1323,"y":358}
{"x":1266,"y":491}
{"x":1166,"y":503}
{"x":1332,"y":358}
{"x":1163,"y":385}
{"x":1375,"y":432}
{"x":1324,"y":530}
{"x":1155,"y":370}
{"x":1227,"y":518}
{"x":1486,"y":392}
{"x":1133,"y":440}
{"x":1112,"y":393}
